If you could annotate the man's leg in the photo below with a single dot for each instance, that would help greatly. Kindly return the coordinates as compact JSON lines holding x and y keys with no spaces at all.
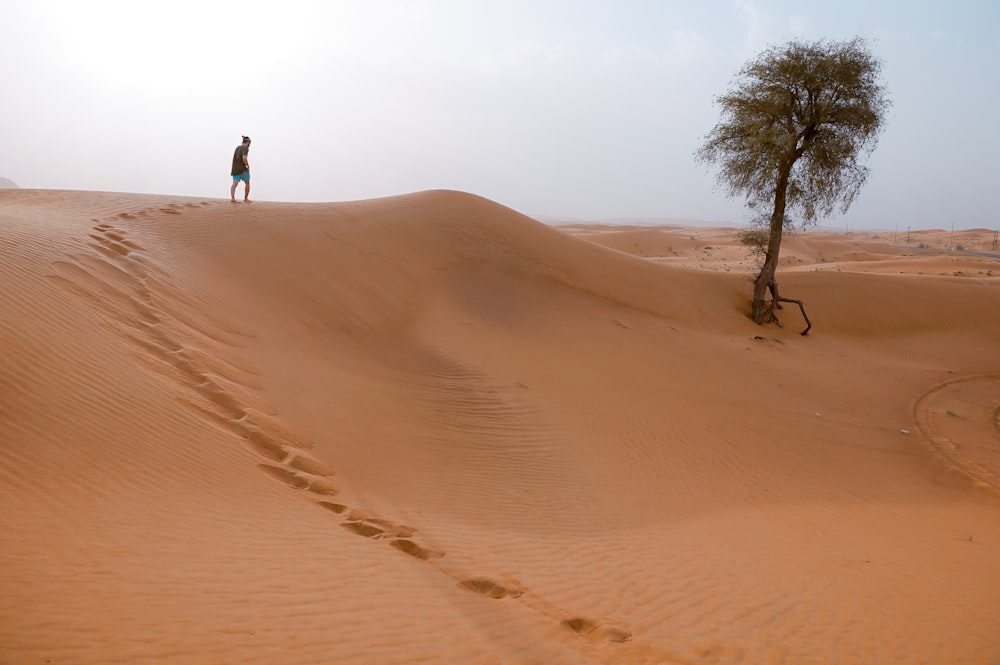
{"x":246,"y":192}
{"x":232,"y":190}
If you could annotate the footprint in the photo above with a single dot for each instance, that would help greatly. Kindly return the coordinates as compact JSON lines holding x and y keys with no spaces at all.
{"x":323,"y":487}
{"x":211,"y":391}
{"x":407,"y":546}
{"x":264,"y":445}
{"x":109,"y":236}
{"x":335,"y":507}
{"x":320,"y":486}
{"x":310,"y":465}
{"x":365,"y":524}
{"x":363,"y":529}
{"x":290,"y":478}
{"x":579,"y":625}
{"x":109,"y":245}
{"x":487,"y":587}
{"x":592,"y":630}
{"x":132,"y":245}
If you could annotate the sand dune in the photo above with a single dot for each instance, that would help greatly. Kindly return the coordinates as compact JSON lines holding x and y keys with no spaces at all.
{"x":428,"y":429}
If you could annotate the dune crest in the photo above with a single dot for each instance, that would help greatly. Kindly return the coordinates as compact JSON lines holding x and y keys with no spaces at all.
{"x":428,"y":428}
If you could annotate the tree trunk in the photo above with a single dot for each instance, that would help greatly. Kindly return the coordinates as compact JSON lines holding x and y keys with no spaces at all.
{"x":762,"y":310}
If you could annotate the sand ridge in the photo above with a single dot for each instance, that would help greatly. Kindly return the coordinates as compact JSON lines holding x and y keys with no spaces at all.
{"x":430,"y":429}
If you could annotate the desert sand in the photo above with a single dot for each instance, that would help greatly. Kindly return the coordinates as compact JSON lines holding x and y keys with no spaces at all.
{"x":429,"y":429}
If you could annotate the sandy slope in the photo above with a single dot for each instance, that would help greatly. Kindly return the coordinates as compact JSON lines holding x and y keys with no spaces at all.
{"x":429,"y":429}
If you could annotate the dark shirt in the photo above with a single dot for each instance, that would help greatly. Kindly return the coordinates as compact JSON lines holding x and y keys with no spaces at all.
{"x":238,"y":165}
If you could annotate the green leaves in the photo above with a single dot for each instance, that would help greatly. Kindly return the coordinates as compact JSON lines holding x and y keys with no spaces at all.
{"x":799,"y":117}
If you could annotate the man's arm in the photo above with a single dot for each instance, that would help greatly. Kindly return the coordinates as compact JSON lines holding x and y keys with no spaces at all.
{"x":246,"y":162}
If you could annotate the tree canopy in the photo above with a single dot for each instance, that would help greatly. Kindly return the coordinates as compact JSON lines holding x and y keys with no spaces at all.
{"x":818,"y":105}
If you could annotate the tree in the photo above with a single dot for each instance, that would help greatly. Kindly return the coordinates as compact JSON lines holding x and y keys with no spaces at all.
{"x":795,"y":125}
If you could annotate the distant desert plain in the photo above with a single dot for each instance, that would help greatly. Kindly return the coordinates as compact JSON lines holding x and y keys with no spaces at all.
{"x":430,"y":429}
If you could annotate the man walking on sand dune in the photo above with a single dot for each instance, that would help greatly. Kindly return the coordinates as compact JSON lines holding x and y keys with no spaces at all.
{"x":241,"y":170}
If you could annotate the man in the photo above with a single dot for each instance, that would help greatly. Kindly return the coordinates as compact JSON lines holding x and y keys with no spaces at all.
{"x":241,"y":170}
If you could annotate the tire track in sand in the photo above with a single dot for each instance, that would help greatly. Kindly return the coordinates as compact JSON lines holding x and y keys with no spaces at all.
{"x":121,"y":282}
{"x":961,"y":418}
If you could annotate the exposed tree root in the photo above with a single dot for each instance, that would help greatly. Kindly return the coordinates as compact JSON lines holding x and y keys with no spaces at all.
{"x":802,"y":307}
{"x":769,"y":316}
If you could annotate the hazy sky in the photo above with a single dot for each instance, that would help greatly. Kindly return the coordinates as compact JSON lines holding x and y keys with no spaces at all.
{"x":568,"y":108}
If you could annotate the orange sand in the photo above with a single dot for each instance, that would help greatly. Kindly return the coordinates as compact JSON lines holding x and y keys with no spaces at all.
{"x":428,"y":429}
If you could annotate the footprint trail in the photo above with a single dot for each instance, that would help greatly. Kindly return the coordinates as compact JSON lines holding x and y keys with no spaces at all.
{"x":119,"y":277}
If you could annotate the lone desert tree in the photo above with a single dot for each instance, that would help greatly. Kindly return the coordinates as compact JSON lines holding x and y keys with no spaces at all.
{"x":795,"y":124}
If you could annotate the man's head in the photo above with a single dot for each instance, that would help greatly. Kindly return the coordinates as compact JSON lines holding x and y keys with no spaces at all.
{"x":246,"y":140}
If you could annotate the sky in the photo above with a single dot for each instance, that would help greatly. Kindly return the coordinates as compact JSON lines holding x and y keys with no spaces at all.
{"x":581,"y":109}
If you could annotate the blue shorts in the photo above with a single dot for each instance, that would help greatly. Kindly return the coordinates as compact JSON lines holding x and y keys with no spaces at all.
{"x":245,"y":177}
